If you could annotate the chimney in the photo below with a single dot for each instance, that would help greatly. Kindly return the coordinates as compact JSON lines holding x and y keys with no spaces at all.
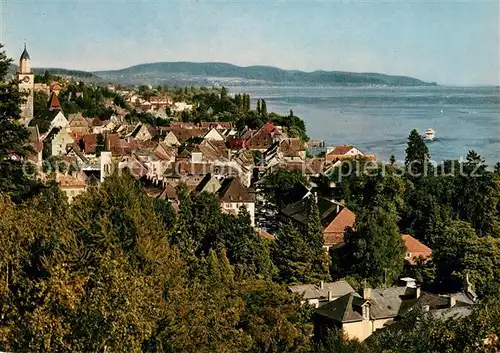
{"x":452,"y":301}
{"x":321,"y":284}
{"x":367,"y":292}
{"x":330,"y":296}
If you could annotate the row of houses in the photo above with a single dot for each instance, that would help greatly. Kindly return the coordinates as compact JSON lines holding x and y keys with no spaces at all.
{"x":182,"y":152}
{"x":216,"y":158}
{"x":359,"y":314}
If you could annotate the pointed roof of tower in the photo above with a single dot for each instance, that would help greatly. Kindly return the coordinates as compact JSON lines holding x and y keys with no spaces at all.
{"x":25,"y":55}
{"x":54,"y":103}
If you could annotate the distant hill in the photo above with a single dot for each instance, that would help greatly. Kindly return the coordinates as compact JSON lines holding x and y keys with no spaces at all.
{"x":188,"y":73}
{"x":64,"y":72}
{"x":59,"y":72}
{"x":223,"y":73}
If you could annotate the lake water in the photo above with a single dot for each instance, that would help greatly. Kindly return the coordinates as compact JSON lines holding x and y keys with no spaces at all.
{"x":379,"y":120}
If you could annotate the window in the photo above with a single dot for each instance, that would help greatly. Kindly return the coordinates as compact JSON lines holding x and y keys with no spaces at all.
{"x":365,"y":312}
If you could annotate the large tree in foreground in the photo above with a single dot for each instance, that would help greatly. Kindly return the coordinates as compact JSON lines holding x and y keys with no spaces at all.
{"x":375,"y":248}
{"x":14,"y":179}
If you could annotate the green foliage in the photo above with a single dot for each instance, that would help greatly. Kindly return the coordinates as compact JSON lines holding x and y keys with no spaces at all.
{"x":88,"y":99}
{"x":425,"y":205}
{"x":14,"y":179}
{"x":200,"y":226}
{"x":459,"y":251}
{"x":477,"y":196}
{"x":314,"y":236}
{"x":417,"y":154}
{"x":263,"y":108}
{"x":364,"y":183}
{"x":99,"y":145}
{"x":277,"y":185}
{"x":336,"y":342}
{"x":41,"y":114}
{"x":374,"y":248}
{"x":419,"y":332}
{"x":297,"y":259}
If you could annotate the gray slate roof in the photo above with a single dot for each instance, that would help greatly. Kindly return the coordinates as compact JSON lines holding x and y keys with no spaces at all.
{"x":343,"y":309}
{"x":386,"y":302}
{"x":313,"y":291}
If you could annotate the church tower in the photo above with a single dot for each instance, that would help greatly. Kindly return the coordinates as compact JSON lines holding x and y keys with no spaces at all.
{"x":26,"y":80}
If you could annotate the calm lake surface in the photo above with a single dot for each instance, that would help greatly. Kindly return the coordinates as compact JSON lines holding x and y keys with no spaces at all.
{"x":379,"y":120}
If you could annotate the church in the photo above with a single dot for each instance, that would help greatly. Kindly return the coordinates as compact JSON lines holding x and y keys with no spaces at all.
{"x":26,"y":80}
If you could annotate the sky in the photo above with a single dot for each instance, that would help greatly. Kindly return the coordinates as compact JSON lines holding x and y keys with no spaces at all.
{"x":450,"y":42}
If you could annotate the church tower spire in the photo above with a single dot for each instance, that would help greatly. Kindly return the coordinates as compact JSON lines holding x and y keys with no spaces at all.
{"x":26,"y":82}
{"x":24,"y":62}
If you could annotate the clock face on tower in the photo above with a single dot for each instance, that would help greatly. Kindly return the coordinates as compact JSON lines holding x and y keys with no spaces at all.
{"x":26,"y":79}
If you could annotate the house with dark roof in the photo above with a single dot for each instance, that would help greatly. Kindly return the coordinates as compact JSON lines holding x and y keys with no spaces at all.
{"x":233,"y":195}
{"x":361,"y":315}
{"x":322,"y":293}
{"x":208,"y":184}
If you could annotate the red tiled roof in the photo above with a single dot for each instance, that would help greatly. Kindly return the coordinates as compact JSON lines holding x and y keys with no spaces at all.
{"x":237,"y":143}
{"x":55,"y":86}
{"x":54,"y":103}
{"x":292,"y":146}
{"x":269,"y":127}
{"x":341,"y":150}
{"x":415,"y":248}
{"x":262,"y":139}
{"x":333,"y":233}
{"x":89,"y":143}
{"x":184,"y":134}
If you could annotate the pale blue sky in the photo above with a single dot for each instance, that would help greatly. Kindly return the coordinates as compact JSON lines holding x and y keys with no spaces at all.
{"x":448,"y":42}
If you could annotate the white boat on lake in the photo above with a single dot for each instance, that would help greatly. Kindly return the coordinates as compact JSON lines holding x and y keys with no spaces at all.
{"x":429,"y":134}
